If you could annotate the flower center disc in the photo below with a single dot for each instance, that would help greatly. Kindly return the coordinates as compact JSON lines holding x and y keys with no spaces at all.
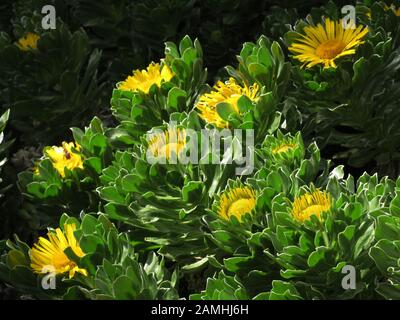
{"x":330,"y":49}
{"x":240,"y":207}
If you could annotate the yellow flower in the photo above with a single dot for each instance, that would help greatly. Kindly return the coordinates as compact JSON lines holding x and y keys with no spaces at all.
{"x":311,"y":204}
{"x":64,"y":157}
{"x":143,"y":79}
{"x":324,"y":44}
{"x":47,"y":255}
{"x":163,"y":145}
{"x":284,"y":147}
{"x":236,"y":202}
{"x":228,"y":92}
{"x":28,"y":42}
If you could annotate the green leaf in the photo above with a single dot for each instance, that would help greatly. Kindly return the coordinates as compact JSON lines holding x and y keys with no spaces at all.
{"x":88,"y":224}
{"x":224,"y":110}
{"x":192,"y":190}
{"x":244,"y":104}
{"x":177,"y":99}
{"x":317,"y":257}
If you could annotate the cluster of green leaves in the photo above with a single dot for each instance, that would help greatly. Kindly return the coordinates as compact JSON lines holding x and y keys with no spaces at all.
{"x":386,"y":251}
{"x":274,"y":256}
{"x":74,"y":192}
{"x":352,"y":109}
{"x":164,"y":201}
{"x":167,"y":227}
{"x":138,"y":112}
{"x":261,"y":63}
{"x":114,"y":270}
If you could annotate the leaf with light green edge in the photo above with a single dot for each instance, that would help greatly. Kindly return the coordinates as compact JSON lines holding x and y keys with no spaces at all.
{"x":244,"y":104}
{"x":180,"y":68}
{"x":48,"y":172}
{"x":184,"y":44}
{"x":71,"y":221}
{"x":317,"y":257}
{"x":274,"y":180}
{"x":16,"y":258}
{"x":388,"y":227}
{"x":259,"y":71}
{"x":123,"y":288}
{"x":196,"y":266}
{"x":262,"y":296}
{"x":281,"y":235}
{"x":234,"y":264}
{"x":176,"y":99}
{"x":88,"y":224}
{"x":247,"y":50}
{"x":189,"y":56}
{"x":134,"y":273}
{"x":3,"y":119}
{"x":315,"y":86}
{"x":212,"y":286}
{"x":365,"y":240}
{"x":385,"y":254}
{"x":98,"y":143}
{"x":292,"y":274}
{"x":277,"y":52}
{"x":306,"y":243}
{"x":103,"y":286}
{"x":117,"y":211}
{"x":63,"y":220}
{"x":78,"y":135}
{"x":96,"y":125}
{"x":113,"y":242}
{"x":137,"y":111}
{"x":131,"y":182}
{"x":264,"y":57}
{"x":36,"y":189}
{"x":395,"y":205}
{"x":111,"y":194}
{"x":389,"y":291}
{"x":89,"y":243}
{"x":354,"y":210}
{"x":94,"y":163}
{"x":284,"y":290}
{"x":224,"y":110}
{"x":226,"y":296}
{"x":192,"y":191}
{"x":345,"y":239}
{"x":359,"y":70}
{"x":120,"y":135}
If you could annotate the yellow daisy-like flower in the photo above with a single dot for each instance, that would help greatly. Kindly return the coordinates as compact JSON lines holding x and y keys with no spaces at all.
{"x":228,"y":92}
{"x":324,"y":44}
{"x":311,"y":204}
{"x":28,"y":42}
{"x":47,"y":255}
{"x":163,"y":145}
{"x":143,"y":79}
{"x":236,"y":202}
{"x":64,"y":157}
